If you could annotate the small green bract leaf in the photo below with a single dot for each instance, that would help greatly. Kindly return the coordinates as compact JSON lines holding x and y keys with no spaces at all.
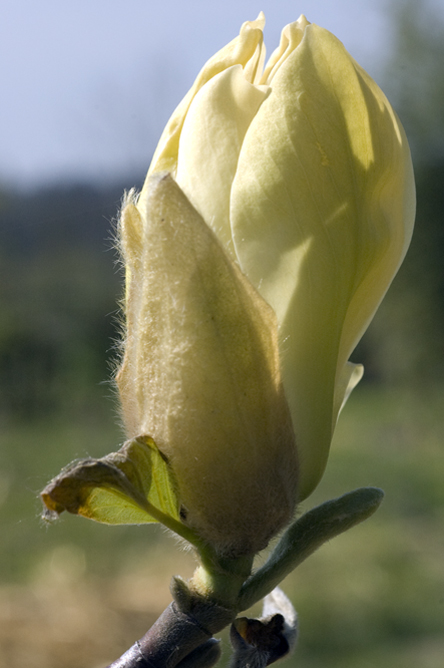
{"x":306,"y":535}
{"x":131,"y":486}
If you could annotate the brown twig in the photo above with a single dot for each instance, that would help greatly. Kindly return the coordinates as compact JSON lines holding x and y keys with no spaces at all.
{"x":182,"y":636}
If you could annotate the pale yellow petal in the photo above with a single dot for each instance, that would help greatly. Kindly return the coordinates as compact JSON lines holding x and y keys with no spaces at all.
{"x":346,"y":382}
{"x":210,"y":143}
{"x":322,"y":213}
{"x":246,"y":50}
{"x":290,"y":39}
{"x":390,"y":200}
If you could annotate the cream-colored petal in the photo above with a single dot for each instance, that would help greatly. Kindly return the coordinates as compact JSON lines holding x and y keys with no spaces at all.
{"x":201,"y":377}
{"x":346,"y":382}
{"x":255,"y":66}
{"x":290,"y":39}
{"x":210,"y":143}
{"x":245,"y":50}
{"x":387,"y":229}
{"x":322,"y":213}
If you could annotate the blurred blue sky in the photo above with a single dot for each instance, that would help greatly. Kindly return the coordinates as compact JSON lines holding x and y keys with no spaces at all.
{"x":87,"y":86}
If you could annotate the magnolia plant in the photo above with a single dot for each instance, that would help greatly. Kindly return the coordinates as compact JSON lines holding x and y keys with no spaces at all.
{"x":277,"y":209}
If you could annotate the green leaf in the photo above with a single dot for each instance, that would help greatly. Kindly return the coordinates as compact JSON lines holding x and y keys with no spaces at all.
{"x":306,"y":535}
{"x":132,"y":486}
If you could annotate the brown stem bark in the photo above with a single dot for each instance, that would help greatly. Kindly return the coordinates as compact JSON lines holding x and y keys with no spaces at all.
{"x":181,"y":637}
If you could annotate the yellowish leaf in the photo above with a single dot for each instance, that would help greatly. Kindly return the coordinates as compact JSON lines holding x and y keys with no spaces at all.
{"x":131,"y":486}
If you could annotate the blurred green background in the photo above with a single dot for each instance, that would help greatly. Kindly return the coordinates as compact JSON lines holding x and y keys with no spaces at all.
{"x":78,"y":594}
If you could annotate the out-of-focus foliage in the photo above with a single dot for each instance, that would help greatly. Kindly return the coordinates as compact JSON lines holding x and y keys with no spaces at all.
{"x":58,"y":296}
{"x":414,"y":76}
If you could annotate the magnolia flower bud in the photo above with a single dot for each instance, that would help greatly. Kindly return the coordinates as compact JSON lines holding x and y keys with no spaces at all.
{"x":304,"y":173}
{"x":277,"y":209}
{"x":201,"y":374}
